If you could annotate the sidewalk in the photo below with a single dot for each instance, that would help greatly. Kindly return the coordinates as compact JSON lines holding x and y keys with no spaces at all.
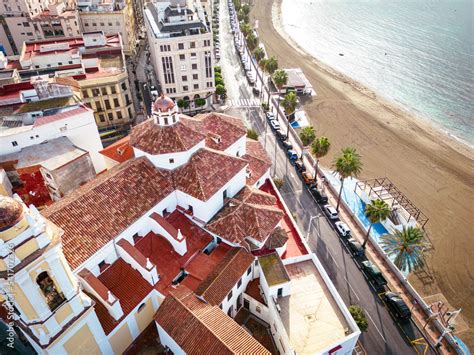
{"x":418,"y":315}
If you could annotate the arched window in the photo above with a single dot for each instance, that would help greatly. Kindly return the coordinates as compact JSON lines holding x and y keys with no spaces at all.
{"x":53,"y":297}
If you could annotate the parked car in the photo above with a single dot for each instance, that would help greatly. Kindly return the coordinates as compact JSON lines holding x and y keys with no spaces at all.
{"x":397,"y":306}
{"x":275,"y":124}
{"x":342,"y":229}
{"x":308,"y":179}
{"x":355,"y":247}
{"x":287,"y":145}
{"x":256,"y":91}
{"x":270,"y":116}
{"x":319,"y":196}
{"x":330,"y":212}
{"x":292,"y":155}
{"x":373,"y":274}
{"x":299,"y":166}
{"x":280,"y":135}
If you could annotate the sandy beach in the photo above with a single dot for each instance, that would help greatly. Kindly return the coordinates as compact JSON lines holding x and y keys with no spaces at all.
{"x":433,"y":170}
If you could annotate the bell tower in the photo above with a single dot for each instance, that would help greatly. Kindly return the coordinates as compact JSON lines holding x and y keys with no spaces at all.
{"x":37,"y":287}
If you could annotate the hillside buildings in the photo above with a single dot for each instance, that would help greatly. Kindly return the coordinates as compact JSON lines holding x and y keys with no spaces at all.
{"x":187,"y":234}
{"x":94,"y":64}
{"x":116,"y":16}
{"x":181,"y":49}
{"x":36,"y":20}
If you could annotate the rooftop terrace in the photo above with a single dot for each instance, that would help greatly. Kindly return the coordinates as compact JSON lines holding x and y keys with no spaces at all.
{"x":312,"y":318}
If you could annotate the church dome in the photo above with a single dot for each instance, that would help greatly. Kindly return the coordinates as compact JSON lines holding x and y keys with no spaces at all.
{"x":11,"y":212}
{"x":163,"y":104}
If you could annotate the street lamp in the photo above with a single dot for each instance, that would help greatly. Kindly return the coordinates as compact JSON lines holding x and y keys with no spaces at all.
{"x":318,"y":226}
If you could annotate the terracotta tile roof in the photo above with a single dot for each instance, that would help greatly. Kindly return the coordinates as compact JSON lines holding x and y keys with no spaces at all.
{"x":155,"y":139}
{"x":246,"y":215}
{"x":100,"y":210}
{"x":226,"y":274}
{"x":273,"y":269}
{"x":119,"y":151}
{"x":127,"y":285}
{"x":253,"y":289}
{"x":199,"y":328}
{"x":277,"y":239}
{"x":259,"y":161}
{"x":206,"y":172}
{"x":221,"y":130}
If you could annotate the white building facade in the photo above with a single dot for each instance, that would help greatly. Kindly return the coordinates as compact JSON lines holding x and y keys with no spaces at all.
{"x":181,"y":49}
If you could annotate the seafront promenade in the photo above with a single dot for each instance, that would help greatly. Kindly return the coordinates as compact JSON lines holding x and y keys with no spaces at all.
{"x":432,"y":169}
{"x":413,"y":336}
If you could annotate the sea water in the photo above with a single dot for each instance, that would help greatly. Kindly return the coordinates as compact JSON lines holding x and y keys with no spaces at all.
{"x":417,"y":53}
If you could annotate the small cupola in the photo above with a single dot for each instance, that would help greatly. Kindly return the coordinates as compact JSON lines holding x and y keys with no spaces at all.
{"x":164,"y":111}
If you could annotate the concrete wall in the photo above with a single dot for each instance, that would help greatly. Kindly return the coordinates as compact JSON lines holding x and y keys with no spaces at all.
{"x":236,"y":292}
{"x":70,"y":176}
{"x":81,"y":129}
{"x":168,"y":341}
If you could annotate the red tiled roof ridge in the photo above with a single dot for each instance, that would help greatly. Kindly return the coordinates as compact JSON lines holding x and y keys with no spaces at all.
{"x":230,"y":119}
{"x":198,"y":317}
{"x":90,"y":185}
{"x":235,"y":253}
{"x":165,"y":224}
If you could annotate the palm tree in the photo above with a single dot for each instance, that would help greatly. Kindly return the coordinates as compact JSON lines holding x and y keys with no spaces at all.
{"x":376,"y":211}
{"x":289,"y":103}
{"x":319,"y":148}
{"x":407,"y":246}
{"x":347,"y":164}
{"x":252,"y":41}
{"x":280,"y":78}
{"x":245,"y":29}
{"x":259,"y":54}
{"x":271,"y":66}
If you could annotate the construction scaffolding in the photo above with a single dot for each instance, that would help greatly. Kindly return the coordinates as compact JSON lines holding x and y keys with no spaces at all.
{"x":385,"y":190}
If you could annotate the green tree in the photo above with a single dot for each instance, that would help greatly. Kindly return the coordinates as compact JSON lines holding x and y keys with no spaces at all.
{"x":183,"y":103}
{"x":220,"y":90}
{"x":252,"y":134}
{"x":376,"y":211}
{"x":245,"y":29}
{"x":259,"y":54}
{"x":243,"y":17}
{"x":320,"y":148}
{"x":280,"y":78}
{"x":407,"y":246}
{"x":307,"y":135}
{"x":219,"y":81}
{"x":278,"y":182}
{"x":237,"y":5}
{"x":245,"y":9}
{"x":199,"y":102}
{"x":289,"y":103}
{"x":271,"y":65}
{"x":217,"y":69}
{"x":347,"y":164}
{"x":359,"y":316}
{"x":252,"y":41}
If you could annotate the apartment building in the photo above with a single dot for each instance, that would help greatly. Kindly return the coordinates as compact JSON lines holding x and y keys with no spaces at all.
{"x":95,"y":64}
{"x":34,"y":20}
{"x":116,"y":16}
{"x":181,"y":48}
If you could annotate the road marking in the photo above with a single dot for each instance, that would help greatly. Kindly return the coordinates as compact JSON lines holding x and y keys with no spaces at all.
{"x":368,"y":315}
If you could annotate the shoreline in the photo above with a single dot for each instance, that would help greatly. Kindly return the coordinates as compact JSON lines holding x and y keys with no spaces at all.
{"x":429,"y":165}
{"x":459,"y":144}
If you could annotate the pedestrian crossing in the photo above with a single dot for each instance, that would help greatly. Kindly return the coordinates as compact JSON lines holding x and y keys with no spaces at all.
{"x":243,"y":102}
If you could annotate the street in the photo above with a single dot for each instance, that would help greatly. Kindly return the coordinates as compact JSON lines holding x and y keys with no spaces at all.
{"x":384,"y":335}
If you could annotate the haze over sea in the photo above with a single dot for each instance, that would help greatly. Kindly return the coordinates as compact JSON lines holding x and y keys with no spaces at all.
{"x":418,"y":53}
